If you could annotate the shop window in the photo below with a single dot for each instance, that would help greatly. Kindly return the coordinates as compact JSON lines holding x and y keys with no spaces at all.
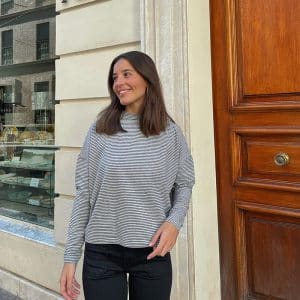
{"x":7,"y":47}
{"x":6,"y":5}
{"x":27,"y":93}
{"x":39,"y":3}
{"x":7,"y":94}
{"x":41,"y":103}
{"x":42,"y":41}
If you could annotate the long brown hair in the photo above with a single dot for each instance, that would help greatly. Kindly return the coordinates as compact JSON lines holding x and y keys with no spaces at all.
{"x":153,"y":116}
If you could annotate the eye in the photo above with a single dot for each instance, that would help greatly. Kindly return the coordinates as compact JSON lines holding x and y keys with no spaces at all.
{"x":114,"y":77}
{"x":127,"y":74}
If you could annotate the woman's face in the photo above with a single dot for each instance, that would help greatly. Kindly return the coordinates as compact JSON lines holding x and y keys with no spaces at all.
{"x":128,"y":85}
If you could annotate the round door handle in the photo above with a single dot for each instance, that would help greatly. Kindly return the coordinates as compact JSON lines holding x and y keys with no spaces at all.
{"x":281,"y":159}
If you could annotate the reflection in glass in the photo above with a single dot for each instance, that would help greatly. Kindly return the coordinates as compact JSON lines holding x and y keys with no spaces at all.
{"x":27,"y":93}
{"x":7,"y":47}
{"x":42,"y":41}
{"x":6,"y":5}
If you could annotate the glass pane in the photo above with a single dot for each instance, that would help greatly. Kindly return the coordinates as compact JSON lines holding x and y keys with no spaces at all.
{"x":7,"y":56}
{"x":42,"y":31}
{"x":6,"y":5}
{"x":7,"y":47}
{"x":42,"y":86}
{"x":39,"y":2}
{"x":27,"y":93}
{"x":42,"y":37}
{"x":42,"y":49}
{"x":7,"y":38}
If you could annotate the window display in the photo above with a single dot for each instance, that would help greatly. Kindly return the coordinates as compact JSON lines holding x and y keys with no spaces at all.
{"x":27,"y":183}
{"x":27,"y":93}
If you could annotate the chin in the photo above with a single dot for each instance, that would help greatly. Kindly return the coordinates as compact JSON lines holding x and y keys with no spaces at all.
{"x":124,"y":102}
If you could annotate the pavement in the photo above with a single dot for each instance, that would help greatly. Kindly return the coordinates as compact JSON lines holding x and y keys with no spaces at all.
{"x":4,"y":295}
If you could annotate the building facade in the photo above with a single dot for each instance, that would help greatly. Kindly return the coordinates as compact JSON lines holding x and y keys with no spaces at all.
{"x":89,"y":34}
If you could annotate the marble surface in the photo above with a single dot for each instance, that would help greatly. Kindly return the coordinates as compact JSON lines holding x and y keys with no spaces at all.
{"x":4,"y":295}
{"x":27,"y":231}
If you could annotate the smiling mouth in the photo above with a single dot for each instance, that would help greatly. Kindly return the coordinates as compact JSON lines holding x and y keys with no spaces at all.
{"x":121,"y":93}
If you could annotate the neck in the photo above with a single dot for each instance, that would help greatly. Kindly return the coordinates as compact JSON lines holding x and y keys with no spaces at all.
{"x":132,"y":110}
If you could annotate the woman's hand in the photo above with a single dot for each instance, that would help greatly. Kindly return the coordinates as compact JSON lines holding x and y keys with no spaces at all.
{"x":167,"y":236}
{"x":69,"y":287}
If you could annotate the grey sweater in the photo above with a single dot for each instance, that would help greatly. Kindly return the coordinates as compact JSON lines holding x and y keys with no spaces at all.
{"x":127,"y":185}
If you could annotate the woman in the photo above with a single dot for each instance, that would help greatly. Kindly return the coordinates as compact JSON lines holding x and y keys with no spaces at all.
{"x":134,"y":179}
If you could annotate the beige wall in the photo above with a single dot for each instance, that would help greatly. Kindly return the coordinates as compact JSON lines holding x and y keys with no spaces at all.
{"x":205,"y":225}
{"x":40,"y":263}
{"x":86,"y":50}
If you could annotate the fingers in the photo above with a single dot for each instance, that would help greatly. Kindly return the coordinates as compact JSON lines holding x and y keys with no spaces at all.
{"x":72,"y":291}
{"x":75,"y":289}
{"x":76,"y":284}
{"x":155,"y":252}
{"x":161,"y":250}
{"x":166,"y":235}
{"x":63,"y":290}
{"x":155,"y":238}
{"x":165,"y":250}
{"x":69,"y":287}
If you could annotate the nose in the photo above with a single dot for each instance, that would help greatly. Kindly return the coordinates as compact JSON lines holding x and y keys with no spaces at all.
{"x":118,"y":81}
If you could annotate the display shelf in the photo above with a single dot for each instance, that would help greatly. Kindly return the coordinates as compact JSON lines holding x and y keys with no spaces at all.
{"x":31,"y":182}
{"x":28,"y":125}
{"x":28,"y":198}
{"x":27,"y":134}
{"x":29,"y":145}
{"x":24,"y":212}
{"x":25,"y":165}
{"x":27,"y":181}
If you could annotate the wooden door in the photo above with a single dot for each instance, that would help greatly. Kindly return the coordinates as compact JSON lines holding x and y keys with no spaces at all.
{"x":256,"y":88}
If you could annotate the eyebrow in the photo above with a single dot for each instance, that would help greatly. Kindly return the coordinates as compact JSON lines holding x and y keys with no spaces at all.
{"x":125,"y":70}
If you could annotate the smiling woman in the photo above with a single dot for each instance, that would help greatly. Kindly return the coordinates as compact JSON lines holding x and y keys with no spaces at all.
{"x":143,"y":80}
{"x":129,"y":86}
{"x":134,"y":179}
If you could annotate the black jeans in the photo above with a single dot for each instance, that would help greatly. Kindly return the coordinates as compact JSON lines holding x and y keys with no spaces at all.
{"x":105,"y":270}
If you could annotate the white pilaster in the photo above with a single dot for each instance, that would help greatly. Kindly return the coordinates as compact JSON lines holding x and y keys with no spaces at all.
{"x":164,"y":38}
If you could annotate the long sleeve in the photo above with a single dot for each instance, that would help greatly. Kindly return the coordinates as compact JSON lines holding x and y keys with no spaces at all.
{"x":81,"y":206}
{"x":184,"y":182}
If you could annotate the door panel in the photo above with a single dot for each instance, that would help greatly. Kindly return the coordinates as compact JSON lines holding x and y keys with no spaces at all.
{"x":266,"y":157}
{"x":256,"y":90}
{"x":270,"y":237}
{"x":269,"y":254}
{"x":270,"y":62}
{"x":273,"y":244}
{"x":263,"y":42}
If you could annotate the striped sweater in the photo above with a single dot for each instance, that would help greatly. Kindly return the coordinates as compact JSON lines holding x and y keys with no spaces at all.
{"x":123,"y":186}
